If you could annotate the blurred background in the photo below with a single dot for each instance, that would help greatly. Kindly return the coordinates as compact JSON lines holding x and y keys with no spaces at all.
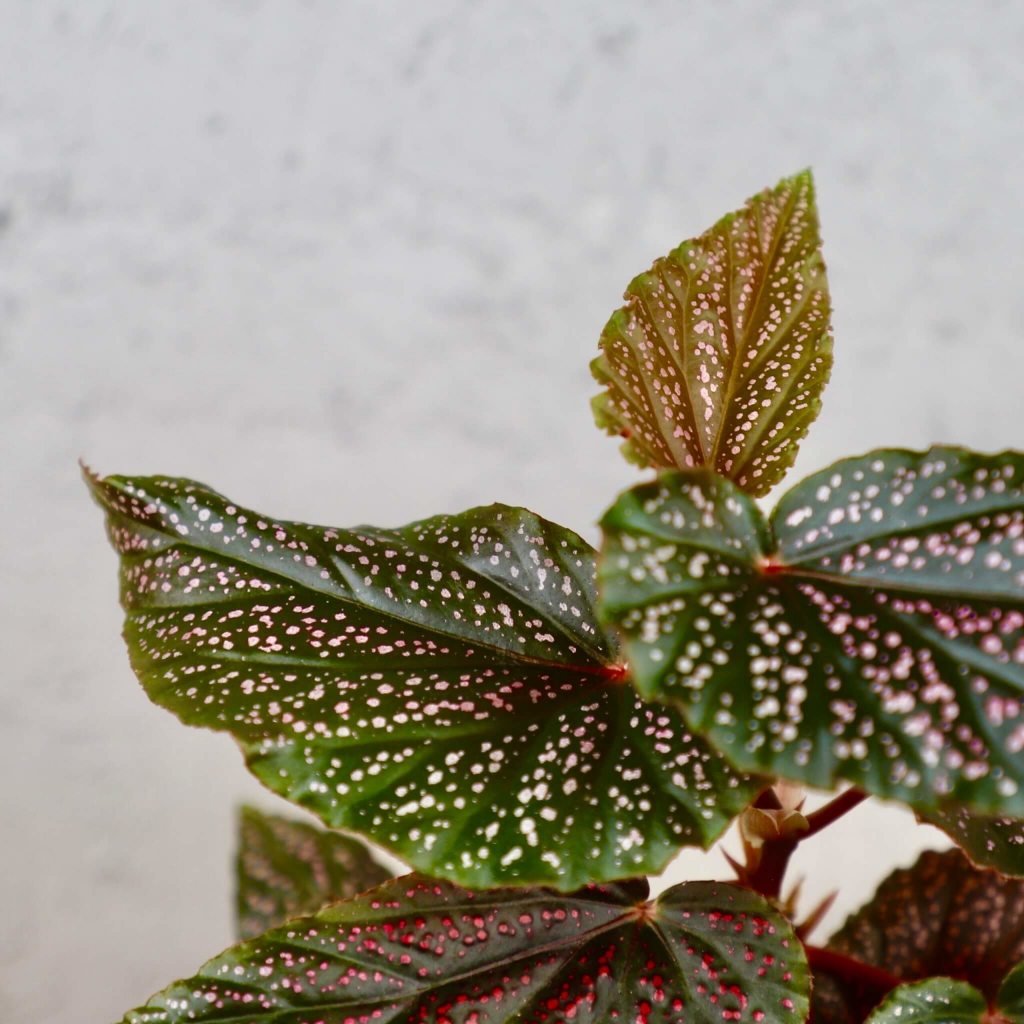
{"x":347,"y":262}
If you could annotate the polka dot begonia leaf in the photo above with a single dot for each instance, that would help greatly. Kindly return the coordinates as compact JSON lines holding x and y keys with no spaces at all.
{"x":946,"y":1001}
{"x":872,"y":630}
{"x":287,"y":868}
{"x":990,"y":840}
{"x":940,"y":916}
{"x":933,"y":1001}
{"x":443,"y":689}
{"x":418,"y":950}
{"x":723,"y":348}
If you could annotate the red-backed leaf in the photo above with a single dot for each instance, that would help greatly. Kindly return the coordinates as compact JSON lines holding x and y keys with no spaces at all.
{"x":722,"y":351}
{"x":417,"y":950}
{"x":287,"y":868}
{"x":443,"y":689}
{"x":940,"y":917}
{"x":872,"y":630}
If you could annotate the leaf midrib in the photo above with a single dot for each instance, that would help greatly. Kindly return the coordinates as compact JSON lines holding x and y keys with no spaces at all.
{"x":600,"y":666}
{"x":891,"y":586}
{"x":670,"y":344}
{"x":653,"y":402}
{"x":1014,"y":503}
{"x":605,"y":673}
{"x":577,"y":641}
{"x":735,"y":375}
{"x":570,"y":945}
{"x":753,"y":437}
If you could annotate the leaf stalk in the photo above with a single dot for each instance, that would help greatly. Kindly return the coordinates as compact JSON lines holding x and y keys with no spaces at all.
{"x":848,"y":969}
{"x":767,"y":876}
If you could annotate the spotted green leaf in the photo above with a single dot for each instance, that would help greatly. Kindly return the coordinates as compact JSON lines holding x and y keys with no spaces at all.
{"x":443,"y":689}
{"x":723,"y":348}
{"x":418,"y":950}
{"x":934,"y":1001}
{"x":286,"y":868}
{"x":990,"y":840}
{"x":870,"y":630}
{"x":941,"y":916}
{"x":945,"y":1001}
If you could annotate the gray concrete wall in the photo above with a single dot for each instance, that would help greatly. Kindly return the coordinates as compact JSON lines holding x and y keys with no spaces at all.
{"x":348,"y":262}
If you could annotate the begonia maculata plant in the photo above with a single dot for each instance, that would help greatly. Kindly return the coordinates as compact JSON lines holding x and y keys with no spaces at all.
{"x":535,"y":727}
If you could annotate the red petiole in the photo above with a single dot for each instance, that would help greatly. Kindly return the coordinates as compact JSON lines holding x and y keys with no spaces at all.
{"x":766,"y":875}
{"x":848,"y":969}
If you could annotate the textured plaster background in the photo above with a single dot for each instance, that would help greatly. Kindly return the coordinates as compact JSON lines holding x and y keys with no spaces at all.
{"x":348,"y":262}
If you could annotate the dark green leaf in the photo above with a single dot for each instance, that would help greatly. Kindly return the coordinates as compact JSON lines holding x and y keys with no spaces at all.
{"x":990,"y":840}
{"x":417,"y":950}
{"x":1010,"y":999}
{"x":934,"y":1001}
{"x":945,"y":1001}
{"x":942,"y":1000}
{"x":941,"y":916}
{"x":871,"y":631}
{"x":443,"y":689}
{"x":286,"y":869}
{"x":722,"y":351}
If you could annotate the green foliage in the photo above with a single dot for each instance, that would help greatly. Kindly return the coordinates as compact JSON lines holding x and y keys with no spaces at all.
{"x":443,"y":689}
{"x":941,"y":916}
{"x":454,"y":690}
{"x":722,"y":351}
{"x":871,"y":630}
{"x":422,"y":950}
{"x":944,"y":1001}
{"x":935,"y":1001}
{"x":1010,"y":998}
{"x":990,"y":840}
{"x":285,"y":869}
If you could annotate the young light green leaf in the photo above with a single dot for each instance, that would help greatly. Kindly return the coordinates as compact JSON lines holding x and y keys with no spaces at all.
{"x":873,"y":630}
{"x":941,"y":916}
{"x":933,"y":1001}
{"x":285,"y":869}
{"x":421,"y":950}
{"x":990,"y":840}
{"x":443,"y":689}
{"x":722,"y":351}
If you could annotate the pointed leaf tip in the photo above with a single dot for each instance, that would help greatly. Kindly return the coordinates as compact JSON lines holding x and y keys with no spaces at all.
{"x":444,"y":689}
{"x":723,"y":349}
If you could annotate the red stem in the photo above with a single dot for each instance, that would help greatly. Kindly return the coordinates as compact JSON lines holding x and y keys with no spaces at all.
{"x":848,"y":969}
{"x":767,"y":878}
{"x":771,"y":870}
{"x":833,"y":810}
